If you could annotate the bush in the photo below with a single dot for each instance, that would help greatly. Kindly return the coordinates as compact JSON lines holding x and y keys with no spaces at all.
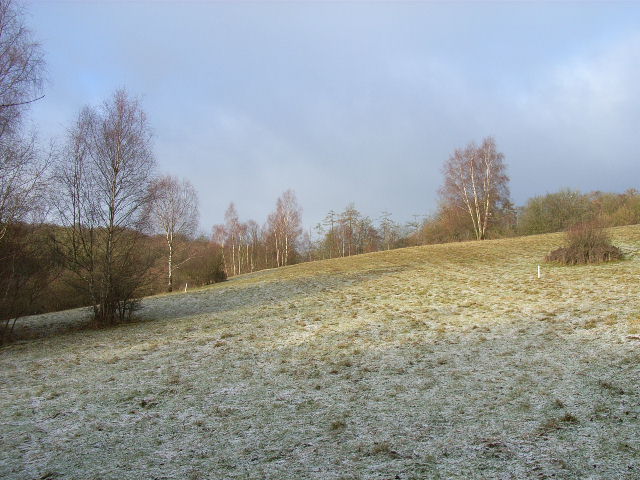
{"x":586,"y":243}
{"x":554,"y":212}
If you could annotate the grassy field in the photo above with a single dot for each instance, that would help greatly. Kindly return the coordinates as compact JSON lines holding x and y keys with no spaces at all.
{"x":445,"y":361}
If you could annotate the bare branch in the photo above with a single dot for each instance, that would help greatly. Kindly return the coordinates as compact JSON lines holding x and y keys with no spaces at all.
{"x":16,"y":104}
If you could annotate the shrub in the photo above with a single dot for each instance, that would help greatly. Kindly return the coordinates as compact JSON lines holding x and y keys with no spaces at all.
{"x":586,"y":243}
{"x":554,"y":212}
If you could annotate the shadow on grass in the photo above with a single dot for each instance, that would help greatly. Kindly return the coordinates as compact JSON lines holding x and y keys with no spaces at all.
{"x":206,"y":301}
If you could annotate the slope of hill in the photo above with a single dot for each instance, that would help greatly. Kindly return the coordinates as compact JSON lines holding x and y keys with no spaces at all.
{"x":445,"y":361}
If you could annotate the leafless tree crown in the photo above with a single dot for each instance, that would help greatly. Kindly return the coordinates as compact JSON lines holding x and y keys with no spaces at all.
{"x":21,"y":66}
{"x":21,"y":76}
{"x":174,"y":213}
{"x":175,"y":206}
{"x":285,"y":226}
{"x":104,"y":190}
{"x":475,"y":181}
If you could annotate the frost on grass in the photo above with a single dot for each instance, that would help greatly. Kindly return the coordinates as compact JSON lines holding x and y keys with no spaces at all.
{"x":449,"y":361}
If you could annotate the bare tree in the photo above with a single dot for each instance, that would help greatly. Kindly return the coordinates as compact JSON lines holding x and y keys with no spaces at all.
{"x":307,"y":246}
{"x":22,"y":181}
{"x":475,"y":181}
{"x":367,"y":238}
{"x":253,"y":243}
{"x":21,"y":67}
{"x":219,"y":236}
{"x":233,"y":229}
{"x":174,"y":212}
{"x":348,"y":221}
{"x":21,"y":77}
{"x":330,"y":222}
{"x":285,"y":226}
{"x":389,"y":230}
{"x":23,"y":261}
{"x":104,"y":183}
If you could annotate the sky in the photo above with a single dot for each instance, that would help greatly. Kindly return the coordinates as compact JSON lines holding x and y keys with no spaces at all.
{"x":355,"y":101}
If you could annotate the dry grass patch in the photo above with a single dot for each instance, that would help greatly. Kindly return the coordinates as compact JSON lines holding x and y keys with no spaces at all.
{"x":447,"y":361}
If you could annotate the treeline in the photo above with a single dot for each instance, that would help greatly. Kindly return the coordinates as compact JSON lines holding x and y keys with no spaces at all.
{"x":553,"y":212}
{"x":92,"y":223}
{"x":350,"y":233}
{"x":248,"y":247}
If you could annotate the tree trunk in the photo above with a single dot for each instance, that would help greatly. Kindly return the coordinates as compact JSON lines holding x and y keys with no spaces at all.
{"x":170,"y":285}
{"x":286,"y":250}
{"x":233,"y":257}
{"x":224,"y":261}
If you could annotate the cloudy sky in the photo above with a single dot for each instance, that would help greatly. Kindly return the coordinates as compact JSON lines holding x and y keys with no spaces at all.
{"x":355,"y":101}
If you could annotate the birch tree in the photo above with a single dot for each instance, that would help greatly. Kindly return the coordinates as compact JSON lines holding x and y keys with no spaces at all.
{"x":252,"y":230}
{"x":475,"y":182}
{"x":174,"y":212}
{"x":22,"y":66}
{"x":285,"y":226}
{"x":389,"y":230}
{"x":348,"y":221}
{"x":233,"y":230}
{"x":219,"y":237}
{"x":103,"y":189}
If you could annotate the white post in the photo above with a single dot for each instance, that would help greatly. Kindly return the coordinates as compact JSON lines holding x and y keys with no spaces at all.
{"x":538,"y":271}
{"x":185,"y":285}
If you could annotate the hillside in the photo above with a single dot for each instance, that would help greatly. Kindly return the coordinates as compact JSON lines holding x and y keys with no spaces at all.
{"x":444,"y":361}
